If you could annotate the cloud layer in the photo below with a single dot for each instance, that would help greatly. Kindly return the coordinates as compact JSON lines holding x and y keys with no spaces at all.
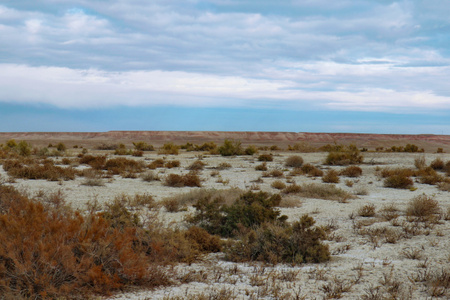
{"x":359,"y":55}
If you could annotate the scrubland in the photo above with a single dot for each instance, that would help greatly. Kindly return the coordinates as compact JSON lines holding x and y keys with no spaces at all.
{"x":223,"y":222}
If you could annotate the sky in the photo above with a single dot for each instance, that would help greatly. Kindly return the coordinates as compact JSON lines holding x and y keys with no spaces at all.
{"x":363,"y":66}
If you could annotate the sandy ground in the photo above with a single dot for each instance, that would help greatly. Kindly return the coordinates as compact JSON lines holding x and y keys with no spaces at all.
{"x":366,"y":267}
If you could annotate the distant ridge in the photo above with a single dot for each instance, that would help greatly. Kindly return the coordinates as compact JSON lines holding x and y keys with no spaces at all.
{"x":248,"y":137}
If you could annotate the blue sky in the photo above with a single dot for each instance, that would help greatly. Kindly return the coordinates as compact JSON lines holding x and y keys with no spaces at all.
{"x":314,"y":65}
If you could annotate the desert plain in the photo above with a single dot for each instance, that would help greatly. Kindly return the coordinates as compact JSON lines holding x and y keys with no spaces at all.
{"x":379,"y":248}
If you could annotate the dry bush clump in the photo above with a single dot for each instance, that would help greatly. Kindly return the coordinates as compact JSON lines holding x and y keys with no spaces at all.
{"x":292,"y":189}
{"x":230,"y":148}
{"x":331,"y":176}
{"x":312,"y":170}
{"x":93,"y":178}
{"x":47,"y":253}
{"x":404,"y":172}
{"x":419,"y":162}
{"x":122,"y":165}
{"x":366,"y":211}
{"x":278,"y":184}
{"x":444,"y":186}
{"x":302,"y":147}
{"x":265,"y":157}
{"x":143,"y":146}
{"x":223,"y":166}
{"x":250,"y":150}
{"x":294,"y":161}
{"x":157,"y":163}
{"x":351,"y":171}
{"x":150,"y":176}
{"x":122,"y":150}
{"x":398,"y":182}
{"x":250,"y":209}
{"x":343,"y":155}
{"x":261,"y":167}
{"x":172,"y":164}
{"x":196,"y":165}
{"x":96,"y":162}
{"x":437,"y":164}
{"x":38,"y":169}
{"x":275,"y":243}
{"x":423,"y":207}
{"x":389,"y":212}
{"x":169,"y":148}
{"x":189,"y":179}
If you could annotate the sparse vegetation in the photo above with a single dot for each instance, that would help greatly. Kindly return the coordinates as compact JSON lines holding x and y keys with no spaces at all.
{"x":343,"y":155}
{"x":331,"y":176}
{"x":231,"y":148}
{"x":294,"y":161}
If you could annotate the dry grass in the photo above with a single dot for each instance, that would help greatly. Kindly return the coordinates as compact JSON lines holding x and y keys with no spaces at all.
{"x":324,"y":191}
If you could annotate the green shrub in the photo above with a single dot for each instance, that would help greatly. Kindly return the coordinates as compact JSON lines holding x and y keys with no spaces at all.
{"x":294,"y":161}
{"x":250,"y":209}
{"x":208,"y":146}
{"x":274,"y":243}
{"x":230,"y":148}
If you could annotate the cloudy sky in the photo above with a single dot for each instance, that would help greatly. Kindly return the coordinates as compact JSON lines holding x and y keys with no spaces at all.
{"x":371,"y":66}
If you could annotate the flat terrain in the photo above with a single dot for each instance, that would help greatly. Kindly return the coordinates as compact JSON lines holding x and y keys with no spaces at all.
{"x":384,"y":253}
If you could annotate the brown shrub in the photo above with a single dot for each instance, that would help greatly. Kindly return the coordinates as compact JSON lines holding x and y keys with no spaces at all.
{"x":419,"y":162}
{"x":398,"y":182}
{"x":50,"y":254}
{"x":278,"y":184}
{"x":261,"y":167}
{"x":341,"y":155}
{"x":351,"y":171}
{"x":223,"y":166}
{"x":437,"y":164}
{"x":292,"y":189}
{"x":121,"y":165}
{"x":276,"y":173}
{"x":47,"y":170}
{"x":157,"y":163}
{"x":190,"y":179}
{"x":169,"y":148}
{"x":172,"y":164}
{"x":331,"y":176}
{"x":423,"y":207}
{"x":196,"y":165}
{"x":367,"y":210}
{"x":294,"y":161}
{"x":265,"y":157}
{"x":204,"y":241}
{"x":387,"y":172}
{"x":96,"y":162}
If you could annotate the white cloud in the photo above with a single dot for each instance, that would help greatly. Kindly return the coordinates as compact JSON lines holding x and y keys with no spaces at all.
{"x":68,"y":88}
